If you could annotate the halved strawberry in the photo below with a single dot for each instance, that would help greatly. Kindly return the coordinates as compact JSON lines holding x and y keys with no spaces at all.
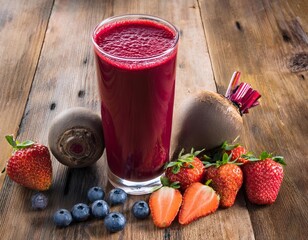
{"x":198,"y":201}
{"x":164,"y":205}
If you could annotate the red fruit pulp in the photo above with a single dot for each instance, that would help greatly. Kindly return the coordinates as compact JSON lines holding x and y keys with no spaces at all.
{"x":136,"y":76}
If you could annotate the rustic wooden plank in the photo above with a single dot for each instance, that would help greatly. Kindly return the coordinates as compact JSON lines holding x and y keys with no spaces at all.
{"x":22,"y":30}
{"x":66,"y":77}
{"x":267,"y":42}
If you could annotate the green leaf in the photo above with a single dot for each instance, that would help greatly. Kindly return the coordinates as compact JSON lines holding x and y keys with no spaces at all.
{"x":236,"y":163}
{"x":217,"y":164}
{"x":217,"y":156}
{"x":228,"y":147}
{"x":224,"y":144}
{"x":181,"y":152}
{"x":265,"y":155}
{"x":185,"y":160}
{"x":25,"y":144}
{"x":11,"y":140}
{"x":208,"y":164}
{"x":196,"y":153}
{"x":225,"y":158}
{"x":208,"y":182}
{"x":252,"y":159}
{"x":279,"y":159}
{"x":164,"y":181}
{"x":249,"y":156}
{"x":170,"y":164}
{"x":175,"y":185}
{"x":192,"y":151}
{"x":206,"y":157}
{"x":154,"y":189}
{"x":191,"y":166}
{"x":231,"y":147}
{"x":16,"y":144}
{"x":176,"y":169}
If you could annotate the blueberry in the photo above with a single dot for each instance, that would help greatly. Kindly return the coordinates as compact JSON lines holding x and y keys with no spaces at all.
{"x":95,"y":193}
{"x":141,"y":210}
{"x":100,"y":209}
{"x":117,"y":196}
{"x":39,"y":201}
{"x":115,"y":222}
{"x":80,"y":212}
{"x":62,"y":218}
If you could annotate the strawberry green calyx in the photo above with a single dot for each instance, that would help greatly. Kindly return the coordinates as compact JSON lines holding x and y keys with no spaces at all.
{"x":165,"y":182}
{"x":183,"y":161}
{"x":18,"y":145}
{"x":227,"y":147}
{"x":225,"y":159}
{"x":265,"y":155}
{"x":208,"y":182}
{"x":279,"y":159}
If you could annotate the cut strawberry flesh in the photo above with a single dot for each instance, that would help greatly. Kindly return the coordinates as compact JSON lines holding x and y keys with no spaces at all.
{"x":199,"y":200}
{"x":165,"y":204}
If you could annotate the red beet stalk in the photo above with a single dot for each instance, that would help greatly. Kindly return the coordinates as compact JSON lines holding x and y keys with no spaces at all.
{"x":242,"y":95}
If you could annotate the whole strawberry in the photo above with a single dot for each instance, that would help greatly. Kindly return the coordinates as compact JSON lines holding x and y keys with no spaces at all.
{"x":30,"y":165}
{"x":226,"y":179}
{"x":263,"y":178}
{"x":186,"y":170}
{"x":236,"y":151}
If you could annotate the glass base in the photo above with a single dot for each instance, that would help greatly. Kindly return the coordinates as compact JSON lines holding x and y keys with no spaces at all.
{"x":134,"y":188}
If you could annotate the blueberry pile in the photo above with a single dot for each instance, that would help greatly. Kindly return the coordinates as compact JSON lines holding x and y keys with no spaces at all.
{"x":100,"y":209}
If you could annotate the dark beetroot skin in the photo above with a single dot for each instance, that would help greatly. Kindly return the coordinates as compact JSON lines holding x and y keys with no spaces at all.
{"x":209,"y":119}
{"x":76,"y":137}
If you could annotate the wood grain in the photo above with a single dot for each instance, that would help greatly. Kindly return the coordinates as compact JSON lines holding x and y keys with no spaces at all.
{"x":22,"y":30}
{"x":66,"y":77}
{"x":267,"y":42}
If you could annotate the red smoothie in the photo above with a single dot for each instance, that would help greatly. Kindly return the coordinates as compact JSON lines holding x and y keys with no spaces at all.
{"x":136,"y":62}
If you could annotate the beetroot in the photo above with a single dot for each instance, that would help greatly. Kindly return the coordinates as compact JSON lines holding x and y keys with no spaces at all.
{"x":210,"y":118}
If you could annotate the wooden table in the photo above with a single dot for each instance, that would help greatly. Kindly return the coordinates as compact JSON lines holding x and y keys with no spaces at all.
{"x":47,"y":66}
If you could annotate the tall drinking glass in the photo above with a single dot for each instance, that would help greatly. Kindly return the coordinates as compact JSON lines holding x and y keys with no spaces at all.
{"x":136,"y":63}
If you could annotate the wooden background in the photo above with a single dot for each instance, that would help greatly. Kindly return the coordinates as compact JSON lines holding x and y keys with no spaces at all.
{"x":47,"y":66}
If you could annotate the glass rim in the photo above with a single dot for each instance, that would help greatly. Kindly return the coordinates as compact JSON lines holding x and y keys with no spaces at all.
{"x":136,"y":16}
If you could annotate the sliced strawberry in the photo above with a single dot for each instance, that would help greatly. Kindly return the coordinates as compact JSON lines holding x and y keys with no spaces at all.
{"x":164,"y":205}
{"x":199,"y":200}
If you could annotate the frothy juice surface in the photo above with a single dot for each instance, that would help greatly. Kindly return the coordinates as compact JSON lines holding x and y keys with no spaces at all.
{"x":136,"y":64}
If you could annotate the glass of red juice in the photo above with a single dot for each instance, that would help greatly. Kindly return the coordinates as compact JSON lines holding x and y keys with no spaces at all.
{"x":136,"y":68}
